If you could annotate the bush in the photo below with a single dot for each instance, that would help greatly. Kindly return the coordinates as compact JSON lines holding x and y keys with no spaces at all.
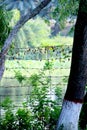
{"x":40,"y":112}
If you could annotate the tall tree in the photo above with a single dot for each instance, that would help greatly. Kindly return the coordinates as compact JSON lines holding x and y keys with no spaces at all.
{"x":74,"y":95}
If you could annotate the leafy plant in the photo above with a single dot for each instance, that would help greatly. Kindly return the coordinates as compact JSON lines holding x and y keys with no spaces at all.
{"x":7,"y":104}
{"x":48,"y":65}
{"x":39,"y":112}
{"x":19,"y":76}
{"x":24,"y":119}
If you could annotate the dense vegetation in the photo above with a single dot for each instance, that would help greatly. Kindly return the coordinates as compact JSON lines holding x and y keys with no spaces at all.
{"x":40,"y":111}
{"x":5,"y":17}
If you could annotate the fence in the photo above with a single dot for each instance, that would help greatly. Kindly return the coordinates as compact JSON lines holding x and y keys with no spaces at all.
{"x":30,"y":61}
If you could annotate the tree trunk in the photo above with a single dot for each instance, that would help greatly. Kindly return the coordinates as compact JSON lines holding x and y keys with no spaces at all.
{"x":69,"y":117}
{"x":2,"y":65}
{"x":73,"y":99}
{"x":83,"y":115}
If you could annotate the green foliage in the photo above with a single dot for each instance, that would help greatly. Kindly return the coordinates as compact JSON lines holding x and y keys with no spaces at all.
{"x":57,"y":41}
{"x":8,"y":123}
{"x":16,"y":121}
{"x":48,"y":65}
{"x":6,"y":104}
{"x":65,"y":9}
{"x":39,"y":117}
{"x":40,"y":112}
{"x":19,"y":76}
{"x":32,"y":33}
{"x":24,"y":118}
{"x":15,"y":17}
{"x":36,"y":32}
{"x":4,"y":26}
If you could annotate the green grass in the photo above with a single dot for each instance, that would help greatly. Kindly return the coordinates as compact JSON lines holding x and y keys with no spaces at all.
{"x":28,"y":67}
{"x":57,"y":41}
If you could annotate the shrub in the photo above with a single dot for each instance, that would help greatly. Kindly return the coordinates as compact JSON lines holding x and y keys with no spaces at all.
{"x":40,"y":112}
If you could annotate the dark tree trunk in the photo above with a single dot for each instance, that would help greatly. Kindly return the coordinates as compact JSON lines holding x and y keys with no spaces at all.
{"x":73,"y":99}
{"x":77,"y":79}
{"x":83,"y":115}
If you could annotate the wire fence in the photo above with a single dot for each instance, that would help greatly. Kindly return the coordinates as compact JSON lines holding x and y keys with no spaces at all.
{"x":32,"y":60}
{"x":40,"y":53}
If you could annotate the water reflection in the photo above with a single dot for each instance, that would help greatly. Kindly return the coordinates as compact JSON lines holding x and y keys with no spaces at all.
{"x":18,"y":95}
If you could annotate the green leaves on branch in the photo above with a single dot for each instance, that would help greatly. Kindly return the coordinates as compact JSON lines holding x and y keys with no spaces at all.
{"x":4,"y":26}
{"x":65,"y":9}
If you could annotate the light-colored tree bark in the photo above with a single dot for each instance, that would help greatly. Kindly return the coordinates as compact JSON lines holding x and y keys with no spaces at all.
{"x":83,"y":115}
{"x":69,"y":116}
{"x":14,"y":32}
